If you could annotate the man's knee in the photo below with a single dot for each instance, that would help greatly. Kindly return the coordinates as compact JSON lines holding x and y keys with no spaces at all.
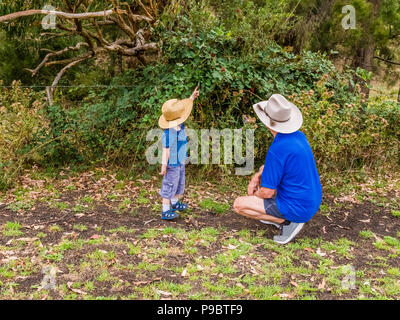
{"x":238,"y":204}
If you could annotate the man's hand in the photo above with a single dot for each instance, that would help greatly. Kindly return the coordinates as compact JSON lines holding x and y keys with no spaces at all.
{"x":163,"y":169}
{"x":195,"y":93}
{"x":252,"y":188}
{"x":265,"y":193}
{"x":254,"y":184}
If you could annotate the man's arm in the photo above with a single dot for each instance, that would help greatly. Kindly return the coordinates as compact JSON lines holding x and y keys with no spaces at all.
{"x":254,"y":183}
{"x":265,"y":193}
{"x":254,"y":188}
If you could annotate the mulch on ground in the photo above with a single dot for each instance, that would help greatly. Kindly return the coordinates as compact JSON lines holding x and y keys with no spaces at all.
{"x":344,"y":222}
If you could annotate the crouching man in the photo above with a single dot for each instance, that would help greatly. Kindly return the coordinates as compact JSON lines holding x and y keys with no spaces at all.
{"x":286,"y":191}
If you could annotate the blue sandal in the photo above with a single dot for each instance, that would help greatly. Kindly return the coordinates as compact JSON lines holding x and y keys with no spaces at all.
{"x":169,"y":215}
{"x":179,"y":206}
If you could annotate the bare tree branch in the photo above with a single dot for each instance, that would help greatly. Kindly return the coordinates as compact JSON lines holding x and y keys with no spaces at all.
{"x":121,"y":23}
{"x":15,"y":15}
{"x":387,"y":61}
{"x":50,"y":90}
{"x":100,"y":33}
{"x":57,"y":53}
{"x":88,"y":25}
{"x":58,"y":77}
{"x":67,"y":15}
{"x":145,"y":9}
{"x":105,"y":23}
{"x":65,"y":61}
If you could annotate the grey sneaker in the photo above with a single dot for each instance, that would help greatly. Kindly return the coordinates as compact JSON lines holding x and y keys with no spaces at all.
{"x":269,"y":222}
{"x":288,"y":231}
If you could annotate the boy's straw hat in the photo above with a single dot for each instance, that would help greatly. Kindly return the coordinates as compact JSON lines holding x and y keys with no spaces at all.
{"x":279,"y":114}
{"x":175,"y":112}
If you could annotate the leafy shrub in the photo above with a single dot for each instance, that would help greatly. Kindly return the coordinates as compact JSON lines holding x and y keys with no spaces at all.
{"x":349,"y":135}
{"x":110,"y":125}
{"x":20,"y":121}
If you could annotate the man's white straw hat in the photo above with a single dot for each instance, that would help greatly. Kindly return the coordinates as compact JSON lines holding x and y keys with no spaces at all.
{"x":279,"y":114}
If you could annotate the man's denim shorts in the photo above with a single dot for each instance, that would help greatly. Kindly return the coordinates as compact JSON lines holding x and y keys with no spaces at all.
{"x":173,"y":182}
{"x":271,"y":208}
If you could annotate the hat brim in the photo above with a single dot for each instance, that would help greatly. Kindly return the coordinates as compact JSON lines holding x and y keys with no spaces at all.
{"x":290,"y":126}
{"x":165,"y":124}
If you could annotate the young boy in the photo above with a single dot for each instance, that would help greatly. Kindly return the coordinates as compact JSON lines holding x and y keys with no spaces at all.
{"x":174,"y":140}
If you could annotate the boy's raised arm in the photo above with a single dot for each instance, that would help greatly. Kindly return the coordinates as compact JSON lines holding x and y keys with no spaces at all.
{"x":195,"y":93}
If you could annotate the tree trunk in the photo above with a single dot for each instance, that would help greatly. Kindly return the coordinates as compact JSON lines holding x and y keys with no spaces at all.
{"x":303,"y":31}
{"x":364,"y":55}
{"x":364,"y":59}
{"x":398,"y":96}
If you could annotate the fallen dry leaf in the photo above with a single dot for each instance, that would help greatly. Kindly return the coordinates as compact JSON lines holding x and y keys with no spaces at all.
{"x":240,"y":285}
{"x":286,"y":295}
{"x":146,"y":282}
{"x":322,"y":284}
{"x":27,"y":239}
{"x":164,"y":293}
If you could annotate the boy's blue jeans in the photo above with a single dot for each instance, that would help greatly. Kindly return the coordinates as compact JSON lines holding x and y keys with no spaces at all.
{"x":173,"y":182}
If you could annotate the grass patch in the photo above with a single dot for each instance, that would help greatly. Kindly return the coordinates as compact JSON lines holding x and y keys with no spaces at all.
{"x":55,"y":228}
{"x":60,"y":205}
{"x":367,"y":234}
{"x":21,"y":205}
{"x":214,"y":206}
{"x":12,"y":229}
{"x":396,"y":213}
{"x":80,"y":227}
{"x":142,"y":199}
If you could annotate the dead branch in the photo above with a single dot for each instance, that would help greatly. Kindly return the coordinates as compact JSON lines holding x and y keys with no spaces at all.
{"x":120,"y":21}
{"x":66,"y":61}
{"x":105,"y":23}
{"x":68,"y":15}
{"x":387,"y":61}
{"x":16,"y":15}
{"x":100,"y":33}
{"x":57,"y":53}
{"x":50,"y":90}
{"x":145,"y":9}
{"x":61,"y":72}
{"x":88,"y":25}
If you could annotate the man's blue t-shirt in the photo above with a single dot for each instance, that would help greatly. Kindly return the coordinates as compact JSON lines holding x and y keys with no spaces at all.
{"x":290,"y":169}
{"x":176,"y":141}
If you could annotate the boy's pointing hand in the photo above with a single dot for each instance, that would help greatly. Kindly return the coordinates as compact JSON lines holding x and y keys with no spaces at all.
{"x":195,"y":93}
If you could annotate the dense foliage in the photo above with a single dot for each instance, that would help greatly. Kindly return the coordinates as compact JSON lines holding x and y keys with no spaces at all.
{"x":107,"y":125}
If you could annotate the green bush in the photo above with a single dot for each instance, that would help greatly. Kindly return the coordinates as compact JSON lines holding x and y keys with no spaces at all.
{"x":109,"y":126}
{"x":20,"y":120}
{"x":350,"y":135}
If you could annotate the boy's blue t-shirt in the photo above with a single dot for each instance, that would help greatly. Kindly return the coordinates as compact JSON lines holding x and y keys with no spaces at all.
{"x":290,"y":169}
{"x":176,"y":141}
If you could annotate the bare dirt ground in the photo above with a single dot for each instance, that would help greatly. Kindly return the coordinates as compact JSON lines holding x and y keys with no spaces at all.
{"x":104,"y":239}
